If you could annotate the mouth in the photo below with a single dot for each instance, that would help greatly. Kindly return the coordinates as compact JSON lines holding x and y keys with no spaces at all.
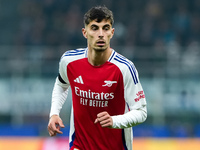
{"x":100,"y":43}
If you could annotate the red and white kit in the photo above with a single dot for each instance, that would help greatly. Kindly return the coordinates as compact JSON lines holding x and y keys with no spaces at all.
{"x":113,"y":87}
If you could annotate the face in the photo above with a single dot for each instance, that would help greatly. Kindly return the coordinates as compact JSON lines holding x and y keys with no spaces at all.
{"x":98,"y":35}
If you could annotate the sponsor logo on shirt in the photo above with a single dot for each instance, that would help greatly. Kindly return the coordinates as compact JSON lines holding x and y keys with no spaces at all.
{"x":92,"y":98}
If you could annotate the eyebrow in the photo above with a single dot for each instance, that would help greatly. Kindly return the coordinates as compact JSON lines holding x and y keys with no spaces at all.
{"x":106,"y":25}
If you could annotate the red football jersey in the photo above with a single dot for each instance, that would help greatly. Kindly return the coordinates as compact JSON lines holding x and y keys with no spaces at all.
{"x":113,"y":87}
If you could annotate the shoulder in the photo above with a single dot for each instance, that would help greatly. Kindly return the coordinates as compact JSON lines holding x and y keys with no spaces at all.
{"x":122,"y":62}
{"x":68,"y":57}
{"x":126,"y":66}
{"x":75,"y":52}
{"x":72,"y":55}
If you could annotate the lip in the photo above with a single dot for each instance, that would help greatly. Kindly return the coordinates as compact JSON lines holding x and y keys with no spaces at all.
{"x":100,"y":43}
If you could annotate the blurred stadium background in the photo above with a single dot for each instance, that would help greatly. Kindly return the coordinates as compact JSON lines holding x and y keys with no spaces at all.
{"x":161,"y":37}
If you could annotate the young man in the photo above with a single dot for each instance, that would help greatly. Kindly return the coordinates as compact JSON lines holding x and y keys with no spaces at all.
{"x":107,"y":97}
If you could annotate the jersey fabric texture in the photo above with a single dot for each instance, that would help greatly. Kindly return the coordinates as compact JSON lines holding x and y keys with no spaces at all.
{"x":113,"y":87}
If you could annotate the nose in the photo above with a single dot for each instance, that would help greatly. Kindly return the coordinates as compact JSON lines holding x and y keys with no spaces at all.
{"x":100,"y":33}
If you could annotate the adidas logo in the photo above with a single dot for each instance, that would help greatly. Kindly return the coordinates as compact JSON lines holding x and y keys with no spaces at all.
{"x":79,"y":80}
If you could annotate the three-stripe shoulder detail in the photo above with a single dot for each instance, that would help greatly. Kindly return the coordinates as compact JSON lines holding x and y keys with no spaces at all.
{"x":74,"y":52}
{"x":119,"y":58}
{"x":113,"y":54}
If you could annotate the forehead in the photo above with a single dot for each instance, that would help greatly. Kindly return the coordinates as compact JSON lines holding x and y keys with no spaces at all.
{"x":102,"y":23}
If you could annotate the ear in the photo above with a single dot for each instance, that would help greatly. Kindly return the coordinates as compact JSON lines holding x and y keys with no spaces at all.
{"x":113,"y":30}
{"x":84,"y":32}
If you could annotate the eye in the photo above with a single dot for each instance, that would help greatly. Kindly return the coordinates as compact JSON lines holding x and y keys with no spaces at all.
{"x":94,"y":28}
{"x":107,"y":28}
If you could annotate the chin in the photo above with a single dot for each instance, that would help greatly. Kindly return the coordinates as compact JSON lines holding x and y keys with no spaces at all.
{"x":100,"y":49}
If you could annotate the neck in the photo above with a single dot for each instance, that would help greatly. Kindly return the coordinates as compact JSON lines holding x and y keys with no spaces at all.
{"x":97,"y":58}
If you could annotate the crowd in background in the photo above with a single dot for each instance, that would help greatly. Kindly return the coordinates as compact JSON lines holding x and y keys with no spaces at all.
{"x":164,"y":28}
{"x":137,"y":23}
{"x":162,"y":36}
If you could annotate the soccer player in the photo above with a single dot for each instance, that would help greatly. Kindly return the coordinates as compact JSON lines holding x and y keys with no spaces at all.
{"x":107,"y":96}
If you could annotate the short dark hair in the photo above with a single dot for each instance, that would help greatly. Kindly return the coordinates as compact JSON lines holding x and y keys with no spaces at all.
{"x":98,"y":13}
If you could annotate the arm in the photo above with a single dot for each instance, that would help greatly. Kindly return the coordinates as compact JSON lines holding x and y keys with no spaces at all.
{"x":136,"y":102}
{"x":60,"y":90}
{"x":129,"y":119}
{"x":59,"y":96}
